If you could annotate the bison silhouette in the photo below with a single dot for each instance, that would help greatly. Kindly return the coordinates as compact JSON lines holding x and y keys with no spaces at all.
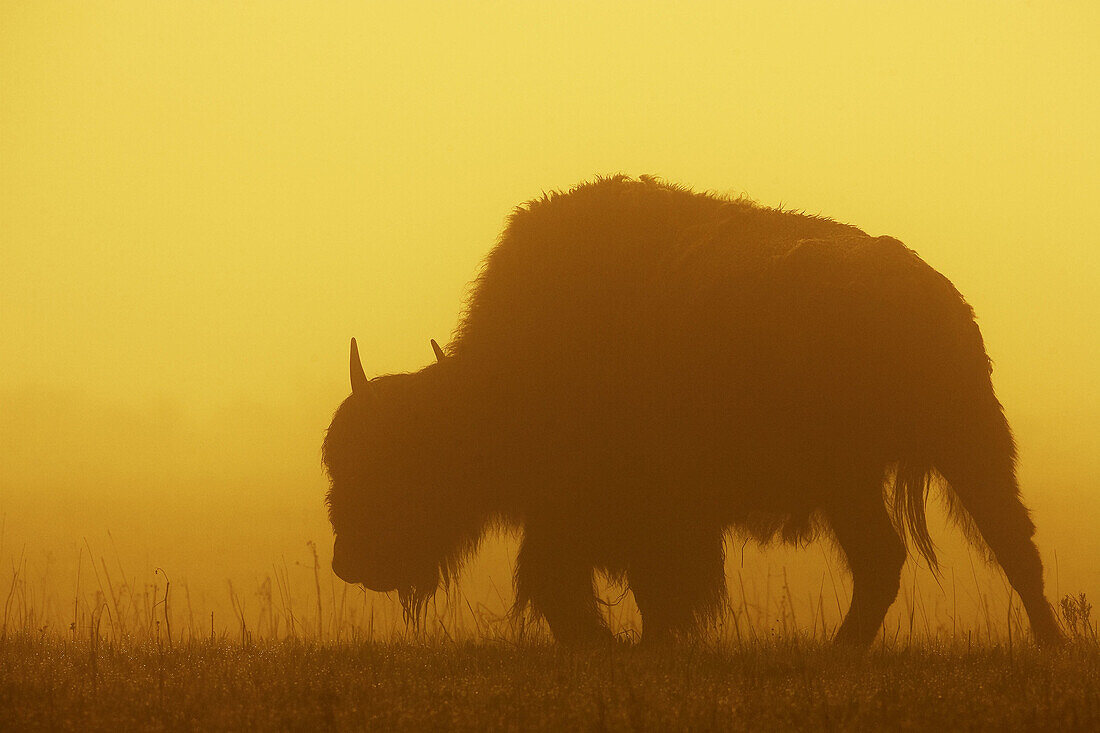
{"x":641,"y":369}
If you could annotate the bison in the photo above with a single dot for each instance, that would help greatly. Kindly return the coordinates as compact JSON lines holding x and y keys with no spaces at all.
{"x":640,"y":370}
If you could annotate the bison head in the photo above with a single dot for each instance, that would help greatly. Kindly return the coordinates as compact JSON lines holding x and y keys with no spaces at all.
{"x":386,"y":501}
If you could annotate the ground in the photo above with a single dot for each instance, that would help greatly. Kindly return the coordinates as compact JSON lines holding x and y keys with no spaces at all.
{"x":763,"y":685}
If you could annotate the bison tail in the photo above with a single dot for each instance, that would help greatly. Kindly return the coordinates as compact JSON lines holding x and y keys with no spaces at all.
{"x":973,"y":463}
{"x":969,"y":452}
{"x":975,"y":471}
{"x":912,"y":480}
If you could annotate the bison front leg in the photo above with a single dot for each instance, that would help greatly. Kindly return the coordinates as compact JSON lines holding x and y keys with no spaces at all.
{"x":875,"y":556}
{"x":560,"y":587}
{"x":678,"y":582}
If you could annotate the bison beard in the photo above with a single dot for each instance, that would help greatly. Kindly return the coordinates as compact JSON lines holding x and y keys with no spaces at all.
{"x":642,"y":369}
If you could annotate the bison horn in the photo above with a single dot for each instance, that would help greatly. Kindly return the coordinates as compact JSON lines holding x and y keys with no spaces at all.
{"x":439,"y":355}
{"x":359,"y":383}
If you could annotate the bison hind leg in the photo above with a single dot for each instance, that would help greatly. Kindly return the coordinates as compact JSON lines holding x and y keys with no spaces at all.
{"x":987,"y":503}
{"x":679,"y":582}
{"x":875,"y":554}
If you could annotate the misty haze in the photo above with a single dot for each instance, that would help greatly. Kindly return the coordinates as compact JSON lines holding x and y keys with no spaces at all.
{"x":713,"y":367}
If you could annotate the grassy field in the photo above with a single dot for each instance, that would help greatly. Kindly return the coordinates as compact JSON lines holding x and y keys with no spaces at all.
{"x":47,"y":683}
{"x":132,"y":651}
{"x":113,"y":649}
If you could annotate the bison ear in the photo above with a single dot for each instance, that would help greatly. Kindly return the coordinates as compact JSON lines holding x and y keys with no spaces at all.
{"x":359,"y":383}
{"x":439,"y":355}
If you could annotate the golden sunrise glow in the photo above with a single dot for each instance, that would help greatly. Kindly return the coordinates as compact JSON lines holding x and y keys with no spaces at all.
{"x":201,"y":202}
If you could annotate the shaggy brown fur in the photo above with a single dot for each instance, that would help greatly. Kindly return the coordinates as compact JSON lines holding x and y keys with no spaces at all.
{"x":641,"y":369}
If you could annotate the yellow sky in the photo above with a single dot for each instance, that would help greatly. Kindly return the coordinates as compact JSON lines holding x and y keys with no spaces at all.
{"x":200,"y":202}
